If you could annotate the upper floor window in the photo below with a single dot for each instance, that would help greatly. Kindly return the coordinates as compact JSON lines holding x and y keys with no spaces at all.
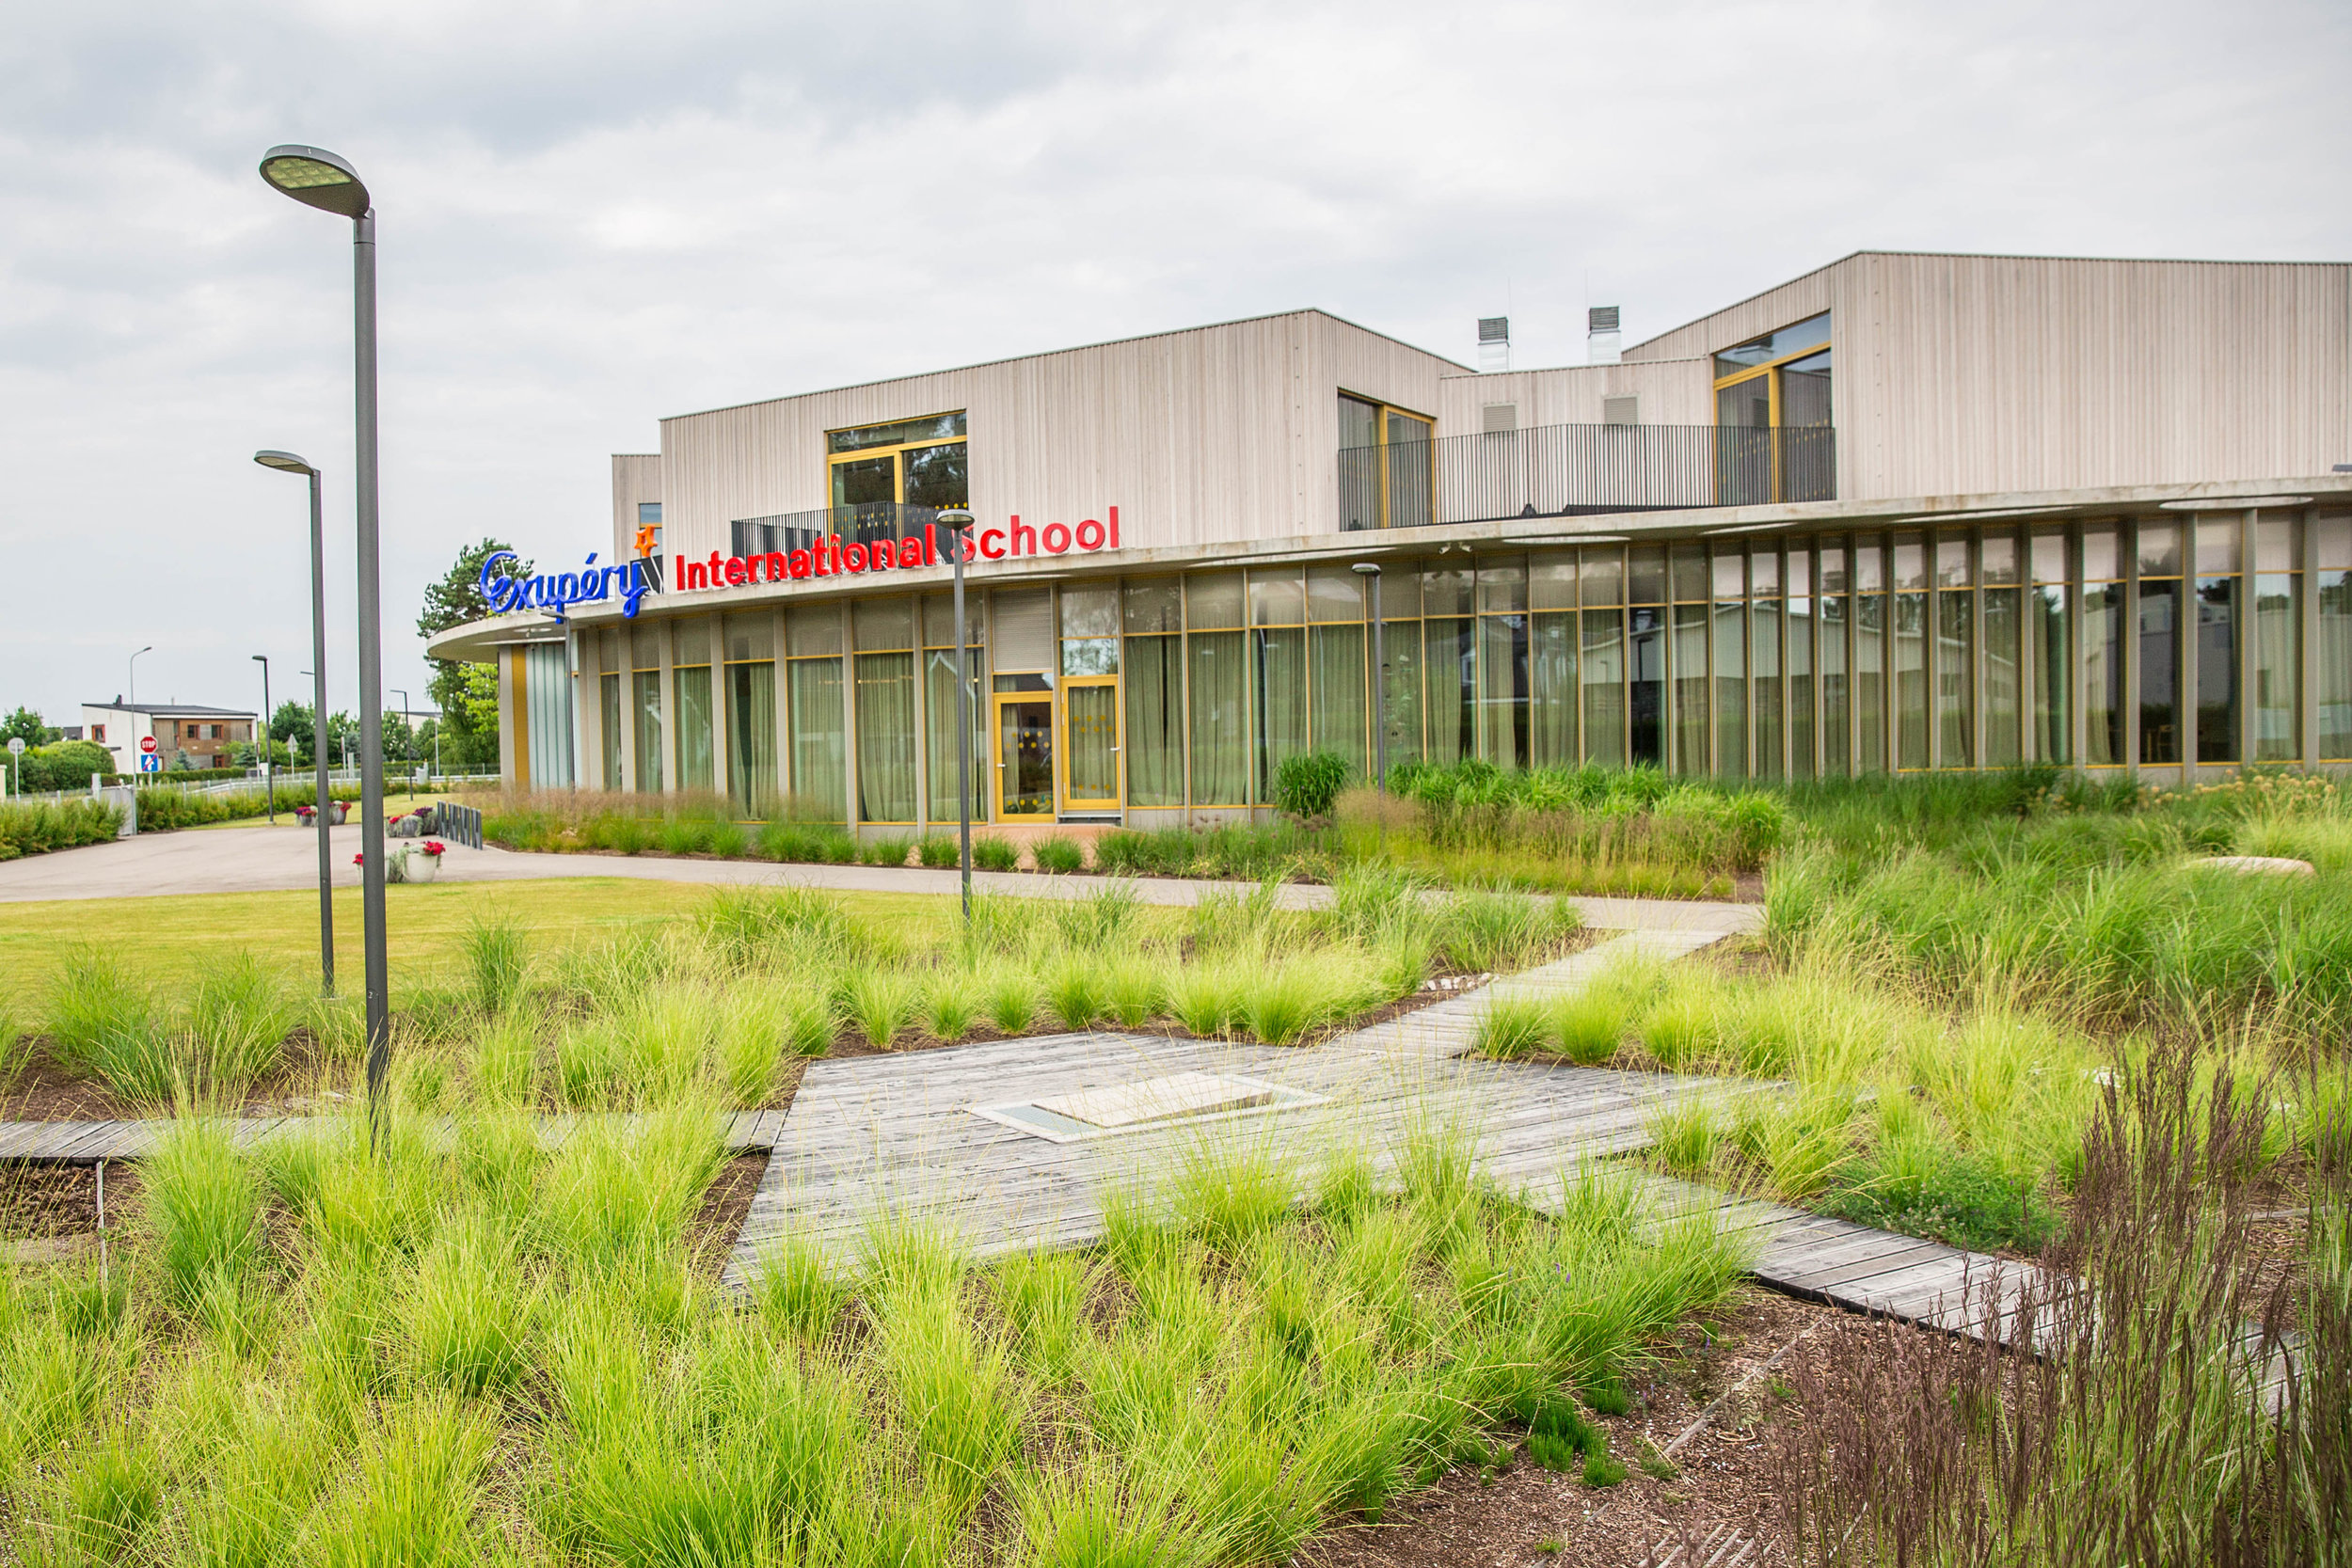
{"x":1387,"y":475}
{"x":97,"y":732}
{"x":909,"y":462}
{"x":1780,"y":381}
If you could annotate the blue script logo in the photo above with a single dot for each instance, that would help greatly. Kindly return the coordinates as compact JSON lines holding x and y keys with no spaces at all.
{"x":554,"y":592}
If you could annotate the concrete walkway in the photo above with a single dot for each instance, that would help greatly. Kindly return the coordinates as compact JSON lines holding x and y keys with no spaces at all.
{"x":286,"y":860}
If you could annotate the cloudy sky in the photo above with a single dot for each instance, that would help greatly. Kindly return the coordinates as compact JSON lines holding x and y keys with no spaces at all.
{"x":596,"y":214}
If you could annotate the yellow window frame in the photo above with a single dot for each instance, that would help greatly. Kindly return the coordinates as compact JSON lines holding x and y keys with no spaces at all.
{"x":897,"y":453}
{"x":1381,"y":423}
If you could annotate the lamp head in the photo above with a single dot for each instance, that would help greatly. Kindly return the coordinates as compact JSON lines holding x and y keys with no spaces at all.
{"x":284,"y":462}
{"x":956,"y":518}
{"x":1366,"y":568}
{"x":316,"y":178}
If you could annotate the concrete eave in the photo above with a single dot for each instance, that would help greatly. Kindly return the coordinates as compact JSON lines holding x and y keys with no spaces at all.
{"x":478,"y":642}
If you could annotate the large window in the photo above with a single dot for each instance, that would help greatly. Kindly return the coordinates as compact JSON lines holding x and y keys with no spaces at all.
{"x":813,"y":702}
{"x":885,"y":631}
{"x":2159,"y":627}
{"x":877,"y":469}
{"x":2103,"y":647}
{"x":1337,"y":712}
{"x":1277,"y":607}
{"x":1954,"y":651}
{"x":751,"y":688}
{"x":1153,"y":614}
{"x":2332,"y":661}
{"x":941,"y":755}
{"x":1387,"y":473}
{"x":1774,"y":418}
{"x":2277,"y":693}
{"x":1217,"y":684}
{"x":2048,"y":629}
{"x":645,"y":705}
{"x":2219,"y":590}
{"x":692,"y":676}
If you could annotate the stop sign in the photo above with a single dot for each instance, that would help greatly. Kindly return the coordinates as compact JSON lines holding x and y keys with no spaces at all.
{"x":147,"y":743}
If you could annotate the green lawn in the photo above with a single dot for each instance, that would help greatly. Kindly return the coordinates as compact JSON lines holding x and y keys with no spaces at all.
{"x":178,"y":939}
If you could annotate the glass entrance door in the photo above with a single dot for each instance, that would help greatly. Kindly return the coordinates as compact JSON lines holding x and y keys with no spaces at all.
{"x":1091,"y":709}
{"x":1025,"y":759}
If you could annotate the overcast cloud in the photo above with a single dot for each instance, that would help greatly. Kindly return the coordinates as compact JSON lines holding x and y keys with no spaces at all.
{"x":596,"y":215}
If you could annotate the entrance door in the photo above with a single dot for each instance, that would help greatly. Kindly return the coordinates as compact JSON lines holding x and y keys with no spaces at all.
{"x":1090,"y":716}
{"x":1025,"y":759}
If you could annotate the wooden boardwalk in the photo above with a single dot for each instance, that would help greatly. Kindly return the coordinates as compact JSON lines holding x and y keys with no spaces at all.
{"x":86,"y":1143}
{"x":880,"y":1138}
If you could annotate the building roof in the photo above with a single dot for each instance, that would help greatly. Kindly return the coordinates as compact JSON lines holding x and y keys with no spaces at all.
{"x":173,"y":710}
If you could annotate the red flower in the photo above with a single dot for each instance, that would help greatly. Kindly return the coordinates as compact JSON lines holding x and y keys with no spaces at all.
{"x":435,"y":847}
{"x":359,"y":858}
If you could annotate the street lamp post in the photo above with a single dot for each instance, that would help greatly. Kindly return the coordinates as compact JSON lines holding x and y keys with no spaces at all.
{"x":269,"y":785}
{"x":134,"y":697}
{"x":957,"y":520}
{"x":1370,"y":572}
{"x":317,"y":178}
{"x":321,"y":759}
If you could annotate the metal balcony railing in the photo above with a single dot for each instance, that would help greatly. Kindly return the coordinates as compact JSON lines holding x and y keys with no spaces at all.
{"x":796,"y":530}
{"x":1566,"y":470}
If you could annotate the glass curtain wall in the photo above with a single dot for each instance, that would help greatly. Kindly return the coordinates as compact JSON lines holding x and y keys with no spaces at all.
{"x":1450,"y":642}
{"x":693,"y":679}
{"x":1278,"y":614}
{"x":609,"y":727}
{"x":1804,"y":626}
{"x":1687,"y":567}
{"x":884,"y":632}
{"x":813,"y":703}
{"x":1338,"y":712}
{"x":1911,"y":650}
{"x":1764,"y":661}
{"x":2003,"y":592}
{"x":1090,"y":694}
{"x":751,"y":675}
{"x":940,"y":754}
{"x":1601,"y":594}
{"x":2331,"y":656}
{"x":1551,"y":645}
{"x":2103,"y":727}
{"x":1153,"y":621}
{"x":2159,"y":631}
{"x":645,"y":708}
{"x":1870,"y":654}
{"x":1217,"y":687}
{"x":1955,"y":652}
{"x":1833,"y":649}
{"x":1400,"y":614}
{"x":2218,"y":594}
{"x":2048,"y":630}
{"x":1728,"y":574}
{"x":1502,"y":663}
{"x":2278,"y":616}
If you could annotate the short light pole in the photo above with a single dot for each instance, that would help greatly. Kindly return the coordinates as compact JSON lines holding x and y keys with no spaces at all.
{"x":322,"y":757}
{"x":1370,"y":572}
{"x":269,"y":787}
{"x":317,"y":178}
{"x":957,"y":521}
{"x":134,"y":698}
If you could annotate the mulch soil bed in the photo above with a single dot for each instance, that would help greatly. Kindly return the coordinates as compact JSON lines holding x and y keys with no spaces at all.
{"x":1725,"y":1481}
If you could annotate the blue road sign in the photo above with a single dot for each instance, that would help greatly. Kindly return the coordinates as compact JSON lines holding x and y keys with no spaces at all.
{"x":150,"y":762}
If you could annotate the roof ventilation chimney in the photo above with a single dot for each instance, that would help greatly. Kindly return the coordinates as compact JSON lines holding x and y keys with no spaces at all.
{"x":1494,"y":344}
{"x":1603,"y":343}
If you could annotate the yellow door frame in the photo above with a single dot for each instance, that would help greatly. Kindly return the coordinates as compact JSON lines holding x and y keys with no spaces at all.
{"x":1071,"y":800}
{"x":1000,"y":699}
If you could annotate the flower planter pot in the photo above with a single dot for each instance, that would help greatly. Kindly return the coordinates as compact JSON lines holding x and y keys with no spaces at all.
{"x":421,"y":868}
{"x":337,"y":812}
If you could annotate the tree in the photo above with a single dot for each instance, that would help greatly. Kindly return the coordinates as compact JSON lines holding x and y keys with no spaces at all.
{"x":466,"y":741}
{"x":342,"y":732}
{"x":290,"y":723}
{"x":25,"y":726}
{"x":245,"y":755}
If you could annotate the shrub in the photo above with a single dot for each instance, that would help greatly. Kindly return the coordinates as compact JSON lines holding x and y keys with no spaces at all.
{"x":890,"y":849}
{"x":1305,"y":786}
{"x":1058,"y":853}
{"x":39,"y":828}
{"x":940,"y":852}
{"x":496,"y":961}
{"x":995,"y":854}
{"x":1511,"y":1027}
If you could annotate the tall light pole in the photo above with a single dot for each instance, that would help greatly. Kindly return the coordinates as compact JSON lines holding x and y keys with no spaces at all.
{"x":134,"y":667}
{"x":1370,"y":572}
{"x":957,"y":520}
{"x":317,"y":178}
{"x":286,"y":462}
{"x":269,"y":785}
